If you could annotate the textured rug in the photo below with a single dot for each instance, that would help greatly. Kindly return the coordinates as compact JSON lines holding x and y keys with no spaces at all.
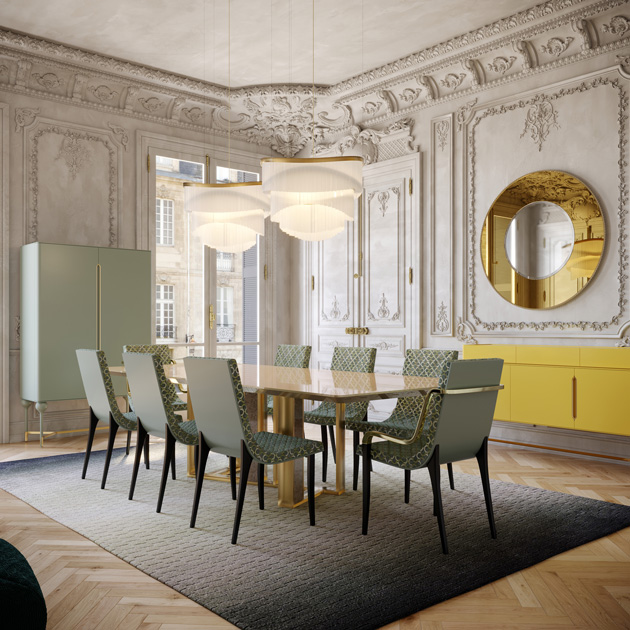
{"x":283,"y":574}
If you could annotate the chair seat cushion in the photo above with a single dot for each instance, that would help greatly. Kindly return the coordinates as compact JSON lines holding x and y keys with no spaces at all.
{"x":395,"y":426}
{"x":127,"y":421}
{"x":21,"y":599}
{"x":179,"y":405}
{"x":274,"y":448}
{"x":408,"y":457}
{"x":326,"y":413}
{"x":185,"y":432}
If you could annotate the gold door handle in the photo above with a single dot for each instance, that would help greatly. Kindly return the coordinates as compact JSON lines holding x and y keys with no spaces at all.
{"x":212,"y":317}
{"x":357,"y":331}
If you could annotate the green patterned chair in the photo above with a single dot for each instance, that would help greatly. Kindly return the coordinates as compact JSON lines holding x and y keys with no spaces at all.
{"x":221,"y":415}
{"x":343,"y":360}
{"x":289,"y":356}
{"x":150,"y":390}
{"x":402,"y":422}
{"x":163,"y":352}
{"x":454,"y":425}
{"x":99,"y":391}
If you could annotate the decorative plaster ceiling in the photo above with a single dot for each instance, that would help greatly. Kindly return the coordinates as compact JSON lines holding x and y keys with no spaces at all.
{"x":271,"y":40}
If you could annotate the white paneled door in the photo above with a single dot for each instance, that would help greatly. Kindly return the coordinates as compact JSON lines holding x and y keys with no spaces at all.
{"x":365,"y":281}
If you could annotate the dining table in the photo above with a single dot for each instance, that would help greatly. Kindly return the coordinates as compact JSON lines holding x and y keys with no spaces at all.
{"x":290,"y":388}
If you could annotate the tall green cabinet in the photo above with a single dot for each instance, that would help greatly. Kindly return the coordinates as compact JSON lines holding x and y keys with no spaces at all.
{"x":78,"y":297}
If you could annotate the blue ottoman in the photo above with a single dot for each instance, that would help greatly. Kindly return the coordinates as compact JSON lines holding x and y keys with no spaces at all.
{"x":21,"y":599}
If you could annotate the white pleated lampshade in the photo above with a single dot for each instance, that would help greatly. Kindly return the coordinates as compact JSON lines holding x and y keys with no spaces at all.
{"x":312,"y":198}
{"x":227,"y":217}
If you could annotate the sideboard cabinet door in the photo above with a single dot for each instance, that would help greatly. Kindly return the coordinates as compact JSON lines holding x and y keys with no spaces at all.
{"x":603,"y":401}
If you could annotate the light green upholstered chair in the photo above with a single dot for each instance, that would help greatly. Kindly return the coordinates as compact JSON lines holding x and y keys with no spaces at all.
{"x":343,"y":360}
{"x":99,"y":391}
{"x":150,"y":391}
{"x":454,"y":425}
{"x":424,"y":362}
{"x":221,"y":414}
{"x":163,"y":352}
{"x":289,"y":356}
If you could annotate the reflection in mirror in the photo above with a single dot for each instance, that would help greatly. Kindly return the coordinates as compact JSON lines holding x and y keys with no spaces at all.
{"x":539,"y":240}
{"x":542,"y":239}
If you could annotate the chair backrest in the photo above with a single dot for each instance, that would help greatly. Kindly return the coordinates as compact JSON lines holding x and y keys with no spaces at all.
{"x":465,"y":419}
{"x":149,"y":389}
{"x":216,"y":394}
{"x":292,"y":356}
{"x":97,"y":383}
{"x":353,"y":359}
{"x":161,"y":350}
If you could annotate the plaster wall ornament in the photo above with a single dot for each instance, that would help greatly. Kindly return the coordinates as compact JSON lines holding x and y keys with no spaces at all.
{"x":463,"y":333}
{"x":383,"y":346}
{"x":601,"y":82}
{"x":370,"y":108}
{"x":389,"y":100}
{"x":4,"y":69}
{"x":75,"y":153}
{"x":18,"y":328}
{"x":344,"y":120}
{"x":49,"y":80}
{"x":383,"y":198}
{"x":79,"y":83}
{"x":151,"y":104}
{"x":619,"y":25}
{"x":131,"y":97}
{"x":335,"y":313}
{"x":194,"y":114}
{"x":527,"y":52}
{"x":624,"y":62}
{"x":162,"y":192}
{"x":23,"y":69}
{"x":476,"y":71}
{"x":624,"y":342}
{"x":540,"y":119}
{"x":441,"y":320}
{"x":120,"y":133}
{"x":383,"y":311}
{"x":409,"y":95}
{"x":556,"y":46}
{"x":102,"y":93}
{"x":175,"y":105}
{"x":24,"y":116}
{"x":463,"y":113}
{"x":429,"y":85}
{"x":501,"y":65}
{"x":452,"y":81}
{"x":583,"y":29}
{"x":442,"y":131}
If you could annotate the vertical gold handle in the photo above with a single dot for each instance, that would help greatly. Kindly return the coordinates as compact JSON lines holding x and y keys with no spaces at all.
{"x":312,"y":283}
{"x":98,"y":307}
{"x":211,"y":317}
{"x":574,"y":398}
{"x":410,"y":275}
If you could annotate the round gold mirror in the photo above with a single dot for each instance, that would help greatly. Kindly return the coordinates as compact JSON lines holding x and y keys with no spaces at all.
{"x":542,"y":239}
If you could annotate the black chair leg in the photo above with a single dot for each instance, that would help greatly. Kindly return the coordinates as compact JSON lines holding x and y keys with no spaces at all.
{"x":88,"y":448}
{"x":202,"y":457}
{"x":261,"y":486}
{"x":169,"y":455}
{"x":173,"y":465}
{"x":325,"y":453}
{"x":310,"y":485}
{"x":482,"y":460}
{"x":146,"y":454}
{"x":367,"y":458}
{"x":128,"y":443}
{"x":143,"y":437}
{"x":407,"y":485}
{"x":232,"y":461}
{"x":355,"y":460}
{"x":246,"y":463}
{"x":451,"y":479}
{"x":113,"y":429}
{"x":333,"y":446}
{"x":434,"y":473}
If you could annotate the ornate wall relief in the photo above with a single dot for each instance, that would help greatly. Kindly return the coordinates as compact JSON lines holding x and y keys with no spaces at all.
{"x":72,"y":184}
{"x":601,"y":309}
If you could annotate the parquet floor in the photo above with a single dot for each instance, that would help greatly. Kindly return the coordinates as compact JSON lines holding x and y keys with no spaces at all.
{"x":86,"y":588}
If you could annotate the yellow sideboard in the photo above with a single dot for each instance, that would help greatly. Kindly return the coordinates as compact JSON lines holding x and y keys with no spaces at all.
{"x":568,"y":387}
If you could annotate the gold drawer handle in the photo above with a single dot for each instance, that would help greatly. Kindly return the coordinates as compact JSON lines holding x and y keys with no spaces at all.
{"x":357,"y":331}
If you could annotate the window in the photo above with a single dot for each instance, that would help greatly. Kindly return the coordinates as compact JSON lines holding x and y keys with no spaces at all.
{"x":225,"y":314}
{"x":164,"y":222}
{"x":225,"y":261}
{"x":165,"y":311}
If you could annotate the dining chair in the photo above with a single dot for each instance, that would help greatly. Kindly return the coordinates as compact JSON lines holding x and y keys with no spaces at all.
{"x":156,"y":416}
{"x":289,"y":356}
{"x":163,"y":352}
{"x":343,"y":360}
{"x":426,"y":362}
{"x":99,"y":390}
{"x":454,"y":425}
{"x":221,"y":414}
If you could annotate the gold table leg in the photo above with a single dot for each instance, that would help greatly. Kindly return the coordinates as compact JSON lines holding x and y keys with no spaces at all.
{"x":340,"y":437}
{"x":290,"y":474}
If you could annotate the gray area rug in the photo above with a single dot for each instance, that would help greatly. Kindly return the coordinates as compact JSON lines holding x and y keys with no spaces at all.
{"x":285,"y":575}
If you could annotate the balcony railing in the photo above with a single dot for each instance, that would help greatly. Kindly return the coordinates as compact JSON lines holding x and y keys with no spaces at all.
{"x":225,"y":263}
{"x":225,"y":333}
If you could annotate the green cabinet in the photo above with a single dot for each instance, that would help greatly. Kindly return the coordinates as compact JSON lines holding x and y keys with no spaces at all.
{"x":78,"y":297}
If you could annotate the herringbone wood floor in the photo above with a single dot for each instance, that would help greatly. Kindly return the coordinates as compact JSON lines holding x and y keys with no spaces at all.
{"x":86,"y":588}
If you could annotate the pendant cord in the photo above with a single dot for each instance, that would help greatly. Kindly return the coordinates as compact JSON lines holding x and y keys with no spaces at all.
{"x":229,"y":88}
{"x":313,"y":123}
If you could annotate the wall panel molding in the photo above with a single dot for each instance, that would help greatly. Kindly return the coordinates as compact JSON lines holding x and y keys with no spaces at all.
{"x":5,"y":328}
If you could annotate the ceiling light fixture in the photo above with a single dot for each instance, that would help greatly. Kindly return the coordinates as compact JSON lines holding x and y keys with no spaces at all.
{"x":312,"y":198}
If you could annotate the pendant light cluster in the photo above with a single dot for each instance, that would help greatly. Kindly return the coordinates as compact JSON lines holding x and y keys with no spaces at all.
{"x":311,"y":199}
